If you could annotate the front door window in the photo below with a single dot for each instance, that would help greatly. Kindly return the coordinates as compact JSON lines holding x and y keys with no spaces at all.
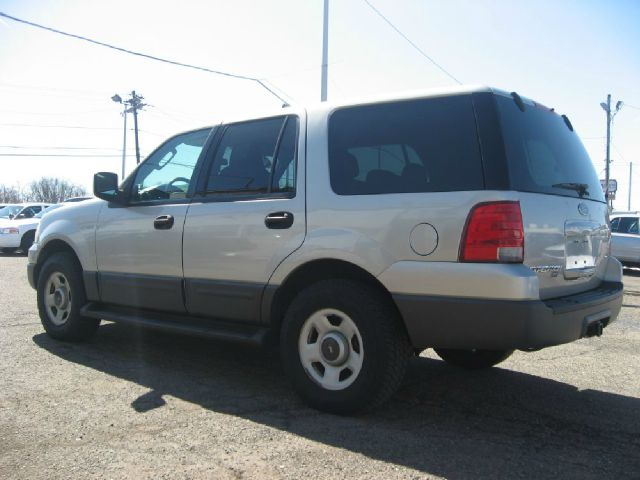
{"x":167,"y":173}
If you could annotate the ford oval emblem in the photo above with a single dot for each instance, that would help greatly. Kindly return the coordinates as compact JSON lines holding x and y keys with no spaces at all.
{"x":583,"y":209}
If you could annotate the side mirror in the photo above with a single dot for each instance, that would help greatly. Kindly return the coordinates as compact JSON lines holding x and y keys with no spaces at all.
{"x":105,"y":186}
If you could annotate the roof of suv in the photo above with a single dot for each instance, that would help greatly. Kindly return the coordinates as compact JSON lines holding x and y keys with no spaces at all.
{"x":380,"y":98}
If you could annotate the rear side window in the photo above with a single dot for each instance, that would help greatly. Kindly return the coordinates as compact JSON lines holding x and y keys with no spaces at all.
{"x":427,"y":145}
{"x":543,"y":154}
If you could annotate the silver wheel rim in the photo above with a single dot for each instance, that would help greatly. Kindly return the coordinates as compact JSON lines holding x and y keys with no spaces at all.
{"x":57,"y":298}
{"x":330,"y":349}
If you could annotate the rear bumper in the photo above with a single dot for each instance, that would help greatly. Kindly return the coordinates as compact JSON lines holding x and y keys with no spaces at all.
{"x":465,"y":323}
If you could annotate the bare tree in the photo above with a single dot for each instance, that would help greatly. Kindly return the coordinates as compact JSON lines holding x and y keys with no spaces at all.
{"x":53,"y":190}
{"x":9,"y":194}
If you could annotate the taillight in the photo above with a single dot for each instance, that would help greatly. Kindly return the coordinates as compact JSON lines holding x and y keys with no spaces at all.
{"x":493,"y":233}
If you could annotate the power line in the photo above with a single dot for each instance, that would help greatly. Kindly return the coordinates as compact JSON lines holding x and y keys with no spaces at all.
{"x":56,"y":126}
{"x":53,"y":155}
{"x":82,"y":127}
{"x":53,"y":89}
{"x":422,"y":52}
{"x":86,"y":112}
{"x":144,"y":55}
{"x":24,"y":147}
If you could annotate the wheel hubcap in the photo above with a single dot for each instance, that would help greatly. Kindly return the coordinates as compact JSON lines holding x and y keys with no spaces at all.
{"x":57,"y":298}
{"x":330,"y":349}
{"x":334,"y":348}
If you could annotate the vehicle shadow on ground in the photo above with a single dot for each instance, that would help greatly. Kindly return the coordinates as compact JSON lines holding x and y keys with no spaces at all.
{"x":443,"y":421}
{"x":12,"y":254}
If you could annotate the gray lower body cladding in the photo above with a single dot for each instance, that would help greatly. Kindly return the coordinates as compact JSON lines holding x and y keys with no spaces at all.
{"x":466,"y":323}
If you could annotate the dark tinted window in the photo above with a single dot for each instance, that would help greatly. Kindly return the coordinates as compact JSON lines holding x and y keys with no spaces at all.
{"x":615,"y":224}
{"x":28,"y":212}
{"x":244,"y":158}
{"x":625,"y":225}
{"x":543,"y":154}
{"x":425,"y":145}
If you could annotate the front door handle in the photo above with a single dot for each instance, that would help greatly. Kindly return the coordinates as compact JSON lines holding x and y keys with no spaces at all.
{"x":279,"y":220}
{"x":163,"y":222}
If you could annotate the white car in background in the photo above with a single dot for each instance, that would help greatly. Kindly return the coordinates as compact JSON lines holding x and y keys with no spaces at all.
{"x":18,"y":225}
{"x":625,"y":238}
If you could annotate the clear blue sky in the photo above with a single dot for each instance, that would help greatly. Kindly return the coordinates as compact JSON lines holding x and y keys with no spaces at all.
{"x":565,"y":54}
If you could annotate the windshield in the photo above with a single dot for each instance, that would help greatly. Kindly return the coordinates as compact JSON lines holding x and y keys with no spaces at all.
{"x":544,"y":154}
{"x":9,"y":210}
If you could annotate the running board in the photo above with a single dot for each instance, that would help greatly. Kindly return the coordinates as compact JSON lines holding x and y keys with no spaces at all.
{"x":176,"y":323}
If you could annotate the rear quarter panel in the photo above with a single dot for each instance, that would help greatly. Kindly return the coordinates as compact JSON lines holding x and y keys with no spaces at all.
{"x":373,"y":231}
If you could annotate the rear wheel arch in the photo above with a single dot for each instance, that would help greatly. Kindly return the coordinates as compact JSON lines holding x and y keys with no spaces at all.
{"x":277,"y":299}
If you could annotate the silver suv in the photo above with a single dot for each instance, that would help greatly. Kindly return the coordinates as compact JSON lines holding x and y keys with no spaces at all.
{"x":467,"y":220}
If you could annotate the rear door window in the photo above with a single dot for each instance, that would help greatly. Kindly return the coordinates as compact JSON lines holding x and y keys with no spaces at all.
{"x":427,"y":145}
{"x":255,"y":157}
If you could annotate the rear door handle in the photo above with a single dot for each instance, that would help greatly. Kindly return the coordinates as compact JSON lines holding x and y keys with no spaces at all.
{"x":279,"y":220}
{"x":163,"y":222}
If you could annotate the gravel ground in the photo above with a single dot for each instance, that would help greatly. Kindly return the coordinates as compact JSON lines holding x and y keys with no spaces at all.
{"x":136,"y":404}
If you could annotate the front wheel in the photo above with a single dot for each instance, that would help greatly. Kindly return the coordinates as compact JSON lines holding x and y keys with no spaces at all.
{"x":473,"y":359}
{"x":343,"y":346}
{"x":60,"y":296}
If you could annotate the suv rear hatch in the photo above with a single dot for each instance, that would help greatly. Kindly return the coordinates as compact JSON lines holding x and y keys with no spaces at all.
{"x":564,"y":212}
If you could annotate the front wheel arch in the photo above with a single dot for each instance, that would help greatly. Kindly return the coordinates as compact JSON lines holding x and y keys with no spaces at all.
{"x":51,"y":248}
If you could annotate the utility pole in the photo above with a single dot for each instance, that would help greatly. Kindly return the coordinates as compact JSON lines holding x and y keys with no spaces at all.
{"x":124,"y":140}
{"x":136,"y":104}
{"x":118,"y":99}
{"x":608,"y":157}
{"x":325,"y":53}
{"x":607,"y":108}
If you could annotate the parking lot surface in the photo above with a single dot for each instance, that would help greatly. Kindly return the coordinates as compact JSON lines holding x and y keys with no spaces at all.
{"x":137,"y":404}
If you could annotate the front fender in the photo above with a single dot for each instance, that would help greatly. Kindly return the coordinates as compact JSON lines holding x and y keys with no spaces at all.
{"x":74,"y":225}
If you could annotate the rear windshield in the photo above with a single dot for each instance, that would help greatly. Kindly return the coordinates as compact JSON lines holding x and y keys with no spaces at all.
{"x":427,"y":145}
{"x":544,"y":155}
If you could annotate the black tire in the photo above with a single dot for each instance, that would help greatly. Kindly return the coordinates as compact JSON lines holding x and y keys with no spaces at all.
{"x":27,"y":241}
{"x":385,"y":346}
{"x":71,"y":326}
{"x":473,"y":359}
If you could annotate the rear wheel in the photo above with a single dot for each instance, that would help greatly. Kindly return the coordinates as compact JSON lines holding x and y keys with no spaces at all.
{"x":473,"y":359}
{"x":343,"y":346}
{"x":60,"y":296}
